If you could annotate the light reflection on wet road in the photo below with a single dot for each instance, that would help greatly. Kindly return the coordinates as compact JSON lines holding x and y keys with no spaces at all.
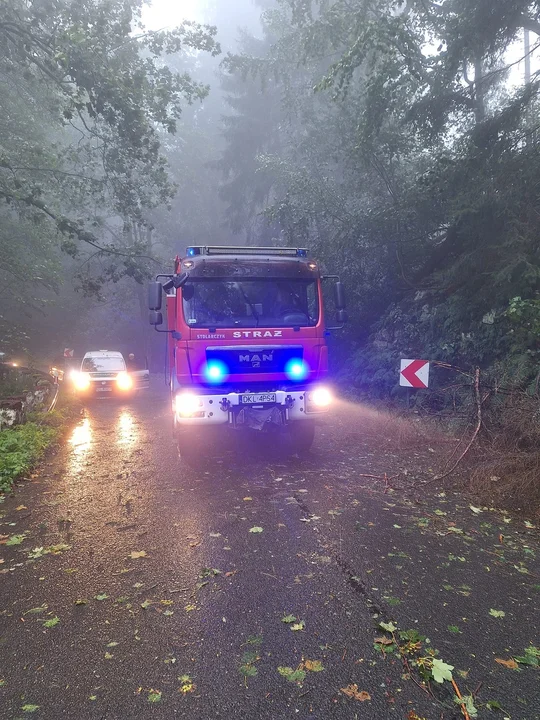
{"x":162,"y":577}
{"x":126,"y":429}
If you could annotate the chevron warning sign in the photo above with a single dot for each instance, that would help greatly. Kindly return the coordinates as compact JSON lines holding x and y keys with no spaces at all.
{"x":414,"y":373}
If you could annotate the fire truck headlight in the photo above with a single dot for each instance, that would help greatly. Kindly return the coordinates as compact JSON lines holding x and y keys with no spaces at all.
{"x":296,"y":369}
{"x":215,"y":371}
{"x":81,"y":380}
{"x":318,"y":399}
{"x":124,"y":381}
{"x":187,"y":404}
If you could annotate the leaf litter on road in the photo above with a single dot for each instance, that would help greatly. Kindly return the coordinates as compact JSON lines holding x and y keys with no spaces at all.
{"x":136,"y":554}
{"x":352,"y":691}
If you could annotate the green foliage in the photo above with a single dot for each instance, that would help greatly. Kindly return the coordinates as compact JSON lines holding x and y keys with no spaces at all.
{"x":391,"y":162}
{"x":20,"y":449}
{"x":86,"y":98}
{"x":440,"y":670}
{"x":531,"y":657}
{"x":297,"y":676}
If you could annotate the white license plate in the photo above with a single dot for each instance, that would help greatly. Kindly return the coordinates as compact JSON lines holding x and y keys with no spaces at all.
{"x":257,"y":398}
{"x":103,"y":389}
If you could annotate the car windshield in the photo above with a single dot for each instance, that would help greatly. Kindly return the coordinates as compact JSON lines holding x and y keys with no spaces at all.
{"x":251,"y":303}
{"x":103,"y":364}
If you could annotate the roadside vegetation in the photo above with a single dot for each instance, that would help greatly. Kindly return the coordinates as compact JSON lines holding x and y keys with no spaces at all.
{"x":23,"y":446}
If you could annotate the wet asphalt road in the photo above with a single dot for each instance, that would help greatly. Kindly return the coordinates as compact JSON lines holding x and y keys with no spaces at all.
{"x":140,"y":588}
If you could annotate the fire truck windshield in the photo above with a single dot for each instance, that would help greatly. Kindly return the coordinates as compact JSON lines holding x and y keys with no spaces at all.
{"x":260,"y":302}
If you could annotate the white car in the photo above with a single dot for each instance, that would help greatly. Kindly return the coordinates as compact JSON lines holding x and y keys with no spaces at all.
{"x":104,"y":373}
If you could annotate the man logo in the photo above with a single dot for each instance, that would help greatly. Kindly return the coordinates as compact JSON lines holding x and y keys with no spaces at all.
{"x":255,"y":360}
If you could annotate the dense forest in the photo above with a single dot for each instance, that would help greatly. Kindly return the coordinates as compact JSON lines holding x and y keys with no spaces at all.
{"x":397,"y":140}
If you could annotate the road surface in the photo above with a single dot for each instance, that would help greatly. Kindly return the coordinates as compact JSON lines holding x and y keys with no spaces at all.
{"x":132,"y":586}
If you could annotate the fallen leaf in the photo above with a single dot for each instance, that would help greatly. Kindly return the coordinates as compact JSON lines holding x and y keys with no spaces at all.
{"x":52,"y":622}
{"x":298,"y":626}
{"x":247,"y":499}
{"x":510,"y":664}
{"x":154,"y":696}
{"x":21,"y":507}
{"x":187,"y":685}
{"x":353,"y":692}
{"x":384,"y":641}
{"x":102,"y":596}
{"x":297,"y":676}
{"x":137,"y":554}
{"x":497,"y":613}
{"x":37,"y":610}
{"x":441,"y":671}
{"x":256,"y":529}
{"x":30,"y":708}
{"x":313,"y":665}
{"x":288,"y":619}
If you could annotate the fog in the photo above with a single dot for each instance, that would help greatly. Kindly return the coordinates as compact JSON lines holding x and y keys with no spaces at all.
{"x":373,"y":135}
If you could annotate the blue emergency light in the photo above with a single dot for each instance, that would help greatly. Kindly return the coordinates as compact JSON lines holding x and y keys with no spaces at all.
{"x":216,"y":372}
{"x":296,"y":369}
{"x":245,"y":250}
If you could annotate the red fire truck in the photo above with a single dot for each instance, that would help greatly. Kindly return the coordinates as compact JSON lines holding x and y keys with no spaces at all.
{"x":247,"y":343}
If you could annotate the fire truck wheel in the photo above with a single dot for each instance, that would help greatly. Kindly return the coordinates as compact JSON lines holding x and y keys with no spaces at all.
{"x":189,"y":448}
{"x":301,"y":435}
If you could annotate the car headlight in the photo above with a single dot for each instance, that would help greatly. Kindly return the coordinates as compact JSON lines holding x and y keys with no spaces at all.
{"x":187,"y":404}
{"x":318,"y":399}
{"x":124,"y":381}
{"x":81,"y":380}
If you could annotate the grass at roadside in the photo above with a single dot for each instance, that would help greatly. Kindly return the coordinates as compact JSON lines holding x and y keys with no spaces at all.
{"x":23,"y":446}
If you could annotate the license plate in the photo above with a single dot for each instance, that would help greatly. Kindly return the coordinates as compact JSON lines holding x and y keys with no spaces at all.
{"x":257,"y":398}
{"x":103,"y":389}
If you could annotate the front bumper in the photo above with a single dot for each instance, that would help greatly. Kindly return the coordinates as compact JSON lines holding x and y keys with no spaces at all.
{"x":226,"y":409}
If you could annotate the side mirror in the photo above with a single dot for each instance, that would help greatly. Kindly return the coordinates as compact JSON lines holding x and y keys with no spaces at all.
{"x":176,"y":282}
{"x":155,"y":290}
{"x":341,"y":317}
{"x":339,"y":292}
{"x":156,"y":318}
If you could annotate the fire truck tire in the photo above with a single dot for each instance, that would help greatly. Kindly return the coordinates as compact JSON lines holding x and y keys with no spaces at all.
{"x":189,"y":448}
{"x":301,"y":435}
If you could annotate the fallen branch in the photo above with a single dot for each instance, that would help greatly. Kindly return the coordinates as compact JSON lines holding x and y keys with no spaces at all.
{"x":463,"y":708}
{"x":475,"y":433}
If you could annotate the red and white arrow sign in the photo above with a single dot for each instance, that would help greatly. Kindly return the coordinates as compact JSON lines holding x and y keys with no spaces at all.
{"x":68,"y":352}
{"x":414,"y":373}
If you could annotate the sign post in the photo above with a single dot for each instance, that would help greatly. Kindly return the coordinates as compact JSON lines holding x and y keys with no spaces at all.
{"x":414,"y":373}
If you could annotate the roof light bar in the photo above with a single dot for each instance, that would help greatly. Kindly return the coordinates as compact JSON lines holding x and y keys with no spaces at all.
{"x":239,"y":250}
